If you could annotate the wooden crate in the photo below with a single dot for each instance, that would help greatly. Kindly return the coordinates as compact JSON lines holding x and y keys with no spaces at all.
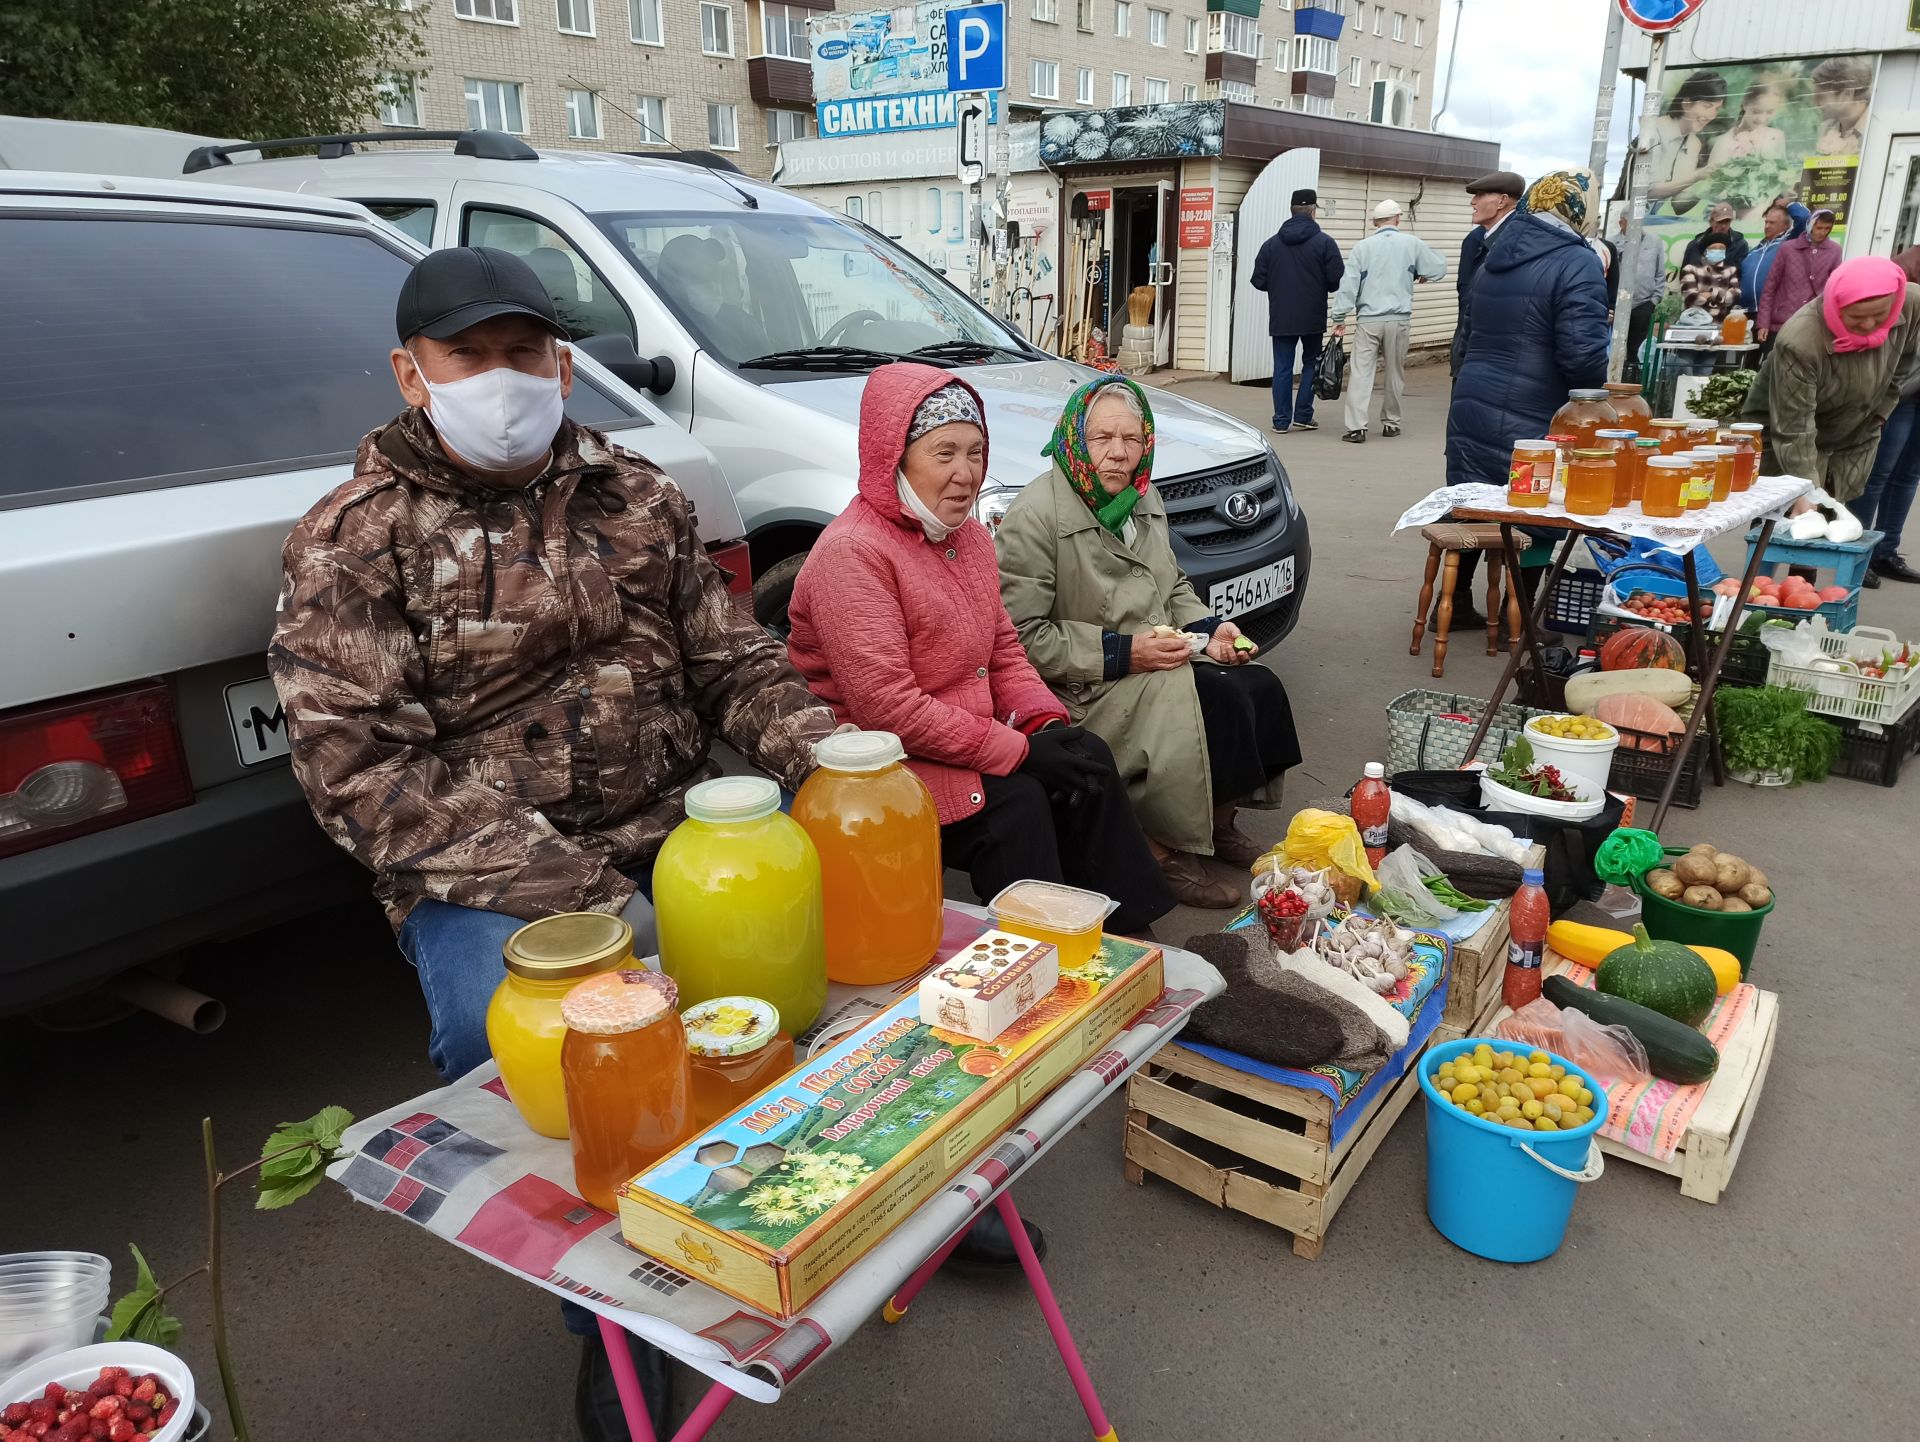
{"x":1257,"y":1146}
{"x":1705,"y":1158}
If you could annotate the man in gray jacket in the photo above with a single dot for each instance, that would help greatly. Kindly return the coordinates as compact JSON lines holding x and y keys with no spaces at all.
{"x":1378,"y":289}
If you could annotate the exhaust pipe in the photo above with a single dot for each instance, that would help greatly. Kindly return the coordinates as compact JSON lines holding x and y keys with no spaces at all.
{"x":181,"y":1005}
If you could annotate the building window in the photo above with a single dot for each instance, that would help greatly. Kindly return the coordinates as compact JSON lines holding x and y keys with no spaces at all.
{"x":783,"y":31}
{"x":785,"y":125}
{"x":1157,"y":27}
{"x":723,"y":127}
{"x":1419,"y":31}
{"x":1319,"y":105}
{"x":643,"y":19}
{"x":1315,"y":52}
{"x":1238,"y":90}
{"x":1379,"y":20}
{"x":1416,"y":85}
{"x":1043,"y":80}
{"x":1399,"y":26}
{"x":1282,"y":55}
{"x":1189,"y":93}
{"x":583,"y":115}
{"x":1047,"y":11}
{"x":400,"y":100}
{"x":1398,"y":74}
{"x":1238,"y":34}
{"x":651,"y":112}
{"x":1353,"y":71}
{"x":1122,"y":18}
{"x":494,"y":12}
{"x":496,"y":105}
{"x":1122,"y":88}
{"x":1083,"y":16}
{"x":575,"y":17}
{"x":1156,"y":91}
{"x":1193,"y":36}
{"x":1083,"y":86}
{"x":716,"y":29}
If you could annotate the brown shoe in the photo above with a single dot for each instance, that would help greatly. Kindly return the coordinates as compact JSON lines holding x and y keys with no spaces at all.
{"x":1191,"y":885}
{"x":1234,"y":847}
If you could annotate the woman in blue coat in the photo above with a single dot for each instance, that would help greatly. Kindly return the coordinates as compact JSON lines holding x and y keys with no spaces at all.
{"x":1538,"y":329}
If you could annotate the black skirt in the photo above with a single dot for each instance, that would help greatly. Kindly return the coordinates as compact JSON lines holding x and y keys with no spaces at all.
{"x":1249,"y":727}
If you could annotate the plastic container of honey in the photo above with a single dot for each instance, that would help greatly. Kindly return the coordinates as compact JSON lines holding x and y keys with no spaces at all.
{"x":736,"y":1051}
{"x":1067,"y":916}
{"x":545,"y":960}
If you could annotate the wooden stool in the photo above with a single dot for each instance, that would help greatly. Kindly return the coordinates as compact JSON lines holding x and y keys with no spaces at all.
{"x":1445,"y":541}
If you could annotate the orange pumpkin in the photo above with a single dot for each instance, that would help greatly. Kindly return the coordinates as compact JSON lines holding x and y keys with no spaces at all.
{"x":1643,"y":723}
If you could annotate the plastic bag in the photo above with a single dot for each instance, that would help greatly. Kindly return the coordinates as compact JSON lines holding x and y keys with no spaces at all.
{"x":1403,"y":893}
{"x":1627,"y":853}
{"x":1325,"y":840}
{"x":1452,"y":830}
{"x":1611,"y":1053}
{"x":1309,"y":900}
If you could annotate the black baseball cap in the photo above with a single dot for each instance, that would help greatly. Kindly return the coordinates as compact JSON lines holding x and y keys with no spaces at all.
{"x":453,"y":289}
{"x":1306,"y":197}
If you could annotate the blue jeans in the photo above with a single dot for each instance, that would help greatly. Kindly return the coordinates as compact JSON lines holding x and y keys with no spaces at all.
{"x":1896,"y":472}
{"x":1287,"y":406}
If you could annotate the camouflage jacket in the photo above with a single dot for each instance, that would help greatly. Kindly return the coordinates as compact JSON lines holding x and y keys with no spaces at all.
{"x":497,"y":698}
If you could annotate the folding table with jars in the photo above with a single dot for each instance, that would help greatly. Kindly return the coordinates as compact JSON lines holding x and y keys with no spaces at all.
{"x":460,"y":1162}
{"x":1766,"y":502}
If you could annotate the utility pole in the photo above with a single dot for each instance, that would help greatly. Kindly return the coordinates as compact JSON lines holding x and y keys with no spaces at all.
{"x":1603,"y":106}
{"x":1640,"y":157}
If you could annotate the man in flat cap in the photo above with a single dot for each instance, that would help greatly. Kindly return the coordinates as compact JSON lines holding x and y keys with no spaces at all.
{"x":1298,"y":267}
{"x":1494,"y":198}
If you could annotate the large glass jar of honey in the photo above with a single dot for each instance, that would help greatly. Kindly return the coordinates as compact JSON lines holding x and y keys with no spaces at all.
{"x":1672,"y":435}
{"x":1630,"y":405}
{"x":1590,"y":473}
{"x":545,"y":960}
{"x":1585,"y":413}
{"x":1530,"y":474}
{"x":629,"y":1085}
{"x":1620,"y":442}
{"x":1663,"y":492}
{"x":1723,"y":460}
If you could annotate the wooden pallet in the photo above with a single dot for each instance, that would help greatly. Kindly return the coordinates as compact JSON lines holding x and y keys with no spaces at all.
{"x":1257,"y":1146}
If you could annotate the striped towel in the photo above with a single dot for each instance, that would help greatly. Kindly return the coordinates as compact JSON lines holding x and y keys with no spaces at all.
{"x":1651,"y":1117}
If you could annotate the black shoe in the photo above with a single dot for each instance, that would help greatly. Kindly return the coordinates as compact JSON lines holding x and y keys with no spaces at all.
{"x":1388,"y":428}
{"x":1306,"y":425}
{"x":1894,"y":568}
{"x":596,"y":1401}
{"x":1871,"y":581}
{"x":1280,"y":430}
{"x":988,"y":1248}
{"x":1359,"y":438}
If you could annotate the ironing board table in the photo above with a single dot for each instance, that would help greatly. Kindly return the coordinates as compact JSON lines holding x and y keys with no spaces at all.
{"x":460,"y":1162}
{"x":1766,"y":502}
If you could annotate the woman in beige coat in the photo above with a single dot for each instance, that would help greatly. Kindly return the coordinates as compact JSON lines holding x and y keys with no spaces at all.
{"x":1088,"y":574}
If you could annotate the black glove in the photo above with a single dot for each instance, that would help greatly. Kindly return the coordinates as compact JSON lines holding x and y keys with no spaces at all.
{"x":1055,"y":760}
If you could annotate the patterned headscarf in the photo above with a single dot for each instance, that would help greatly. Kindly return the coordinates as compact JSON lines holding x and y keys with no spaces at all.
{"x":945,"y":406}
{"x":1069,"y":451}
{"x":1563,"y":193}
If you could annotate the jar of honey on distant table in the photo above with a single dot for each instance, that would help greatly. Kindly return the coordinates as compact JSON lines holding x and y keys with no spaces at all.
{"x":1662,"y":491}
{"x":629,"y":1084}
{"x":1530,"y":474}
{"x":737,"y":1051}
{"x":1620,"y":442}
{"x":1590,"y":473}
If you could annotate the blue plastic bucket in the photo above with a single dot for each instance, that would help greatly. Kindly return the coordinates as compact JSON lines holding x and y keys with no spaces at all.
{"x":1497,"y":1191}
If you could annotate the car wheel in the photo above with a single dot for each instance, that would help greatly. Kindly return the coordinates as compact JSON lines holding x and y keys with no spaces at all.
{"x":773,"y":593}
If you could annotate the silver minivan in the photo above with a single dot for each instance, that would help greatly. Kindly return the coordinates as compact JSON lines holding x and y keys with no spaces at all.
{"x":755,"y":315}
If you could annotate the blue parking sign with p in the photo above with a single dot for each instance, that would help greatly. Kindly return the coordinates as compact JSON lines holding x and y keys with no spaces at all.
{"x":977,"y":47}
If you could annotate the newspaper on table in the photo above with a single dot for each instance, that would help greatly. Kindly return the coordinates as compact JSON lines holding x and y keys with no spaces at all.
{"x":1679,"y":534}
{"x":460,"y":1162}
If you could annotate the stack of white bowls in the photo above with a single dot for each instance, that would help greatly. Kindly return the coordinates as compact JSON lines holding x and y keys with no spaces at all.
{"x":49,"y":1302}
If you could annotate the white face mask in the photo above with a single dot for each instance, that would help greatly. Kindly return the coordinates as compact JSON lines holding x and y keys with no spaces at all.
{"x":500,"y":420}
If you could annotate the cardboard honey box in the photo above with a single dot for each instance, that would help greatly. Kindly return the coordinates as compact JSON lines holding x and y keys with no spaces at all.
{"x":774,"y":1202}
{"x":988,"y":986}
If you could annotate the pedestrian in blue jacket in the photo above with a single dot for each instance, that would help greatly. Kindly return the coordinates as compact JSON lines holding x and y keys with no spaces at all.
{"x":1298,"y":268}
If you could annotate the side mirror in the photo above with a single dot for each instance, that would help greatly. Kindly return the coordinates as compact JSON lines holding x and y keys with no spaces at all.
{"x":616,"y":353}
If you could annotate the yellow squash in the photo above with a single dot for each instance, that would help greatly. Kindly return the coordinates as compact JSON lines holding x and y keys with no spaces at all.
{"x":1726,"y":967}
{"x":1586,"y":945}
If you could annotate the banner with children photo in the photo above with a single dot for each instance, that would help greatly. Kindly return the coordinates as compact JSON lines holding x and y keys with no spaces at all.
{"x":1748,"y":135}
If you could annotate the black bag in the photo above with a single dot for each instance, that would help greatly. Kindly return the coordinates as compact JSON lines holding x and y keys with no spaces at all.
{"x":1331,"y":378}
{"x":1570,"y":845}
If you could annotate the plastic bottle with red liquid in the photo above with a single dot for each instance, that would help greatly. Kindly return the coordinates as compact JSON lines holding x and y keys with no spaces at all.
{"x":1528,"y":919}
{"x":1371,"y":803}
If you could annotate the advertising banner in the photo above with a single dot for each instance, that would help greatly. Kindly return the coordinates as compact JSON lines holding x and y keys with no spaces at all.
{"x":1751,"y":134}
{"x":1196,"y":218}
{"x":877,"y":71}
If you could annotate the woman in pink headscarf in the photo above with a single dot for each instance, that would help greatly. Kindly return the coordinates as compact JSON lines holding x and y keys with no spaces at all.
{"x":1835,"y":375}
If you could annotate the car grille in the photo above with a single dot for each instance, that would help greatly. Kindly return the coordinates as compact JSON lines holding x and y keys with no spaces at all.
{"x":1196,"y":507}
{"x":1268,"y":625}
{"x":1187,"y":488}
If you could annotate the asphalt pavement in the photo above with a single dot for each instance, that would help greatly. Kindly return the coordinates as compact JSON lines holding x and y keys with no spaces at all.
{"x":1785,"y":1311}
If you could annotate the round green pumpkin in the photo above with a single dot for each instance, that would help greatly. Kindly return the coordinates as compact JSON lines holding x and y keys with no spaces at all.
{"x":1663,"y":976}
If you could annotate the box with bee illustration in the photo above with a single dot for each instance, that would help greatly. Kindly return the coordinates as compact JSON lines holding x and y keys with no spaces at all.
{"x":774,"y":1202}
{"x":988,"y":986}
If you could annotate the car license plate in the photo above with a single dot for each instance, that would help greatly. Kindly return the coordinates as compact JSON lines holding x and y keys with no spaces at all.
{"x":259,"y":721}
{"x":1241,"y":594}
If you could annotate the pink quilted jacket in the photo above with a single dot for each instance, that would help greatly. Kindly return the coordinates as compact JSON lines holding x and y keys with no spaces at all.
{"x":898,"y":634}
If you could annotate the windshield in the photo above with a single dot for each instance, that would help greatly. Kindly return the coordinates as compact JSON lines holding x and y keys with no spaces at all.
{"x":753,"y":284}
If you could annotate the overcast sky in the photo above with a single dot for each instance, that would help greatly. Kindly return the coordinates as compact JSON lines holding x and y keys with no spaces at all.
{"x":1528,"y":76}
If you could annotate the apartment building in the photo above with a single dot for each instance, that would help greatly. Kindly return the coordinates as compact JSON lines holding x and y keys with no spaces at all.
{"x":733,"y":75}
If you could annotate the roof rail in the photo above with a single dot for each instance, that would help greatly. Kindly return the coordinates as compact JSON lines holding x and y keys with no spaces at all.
{"x":481,"y":144}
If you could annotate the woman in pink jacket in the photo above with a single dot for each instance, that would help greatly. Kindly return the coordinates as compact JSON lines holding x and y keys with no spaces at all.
{"x":899,"y":626}
{"x":1799,"y":274}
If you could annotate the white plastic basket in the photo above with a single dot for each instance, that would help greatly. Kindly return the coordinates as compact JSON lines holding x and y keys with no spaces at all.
{"x":1842,"y":691}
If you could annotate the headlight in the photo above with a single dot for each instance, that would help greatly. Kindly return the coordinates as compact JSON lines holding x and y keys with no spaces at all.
{"x":990,"y":507}
{"x":1286,"y":487}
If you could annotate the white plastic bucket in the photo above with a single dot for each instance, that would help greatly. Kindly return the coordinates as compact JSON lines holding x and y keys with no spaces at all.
{"x":1592,"y":802}
{"x":1591,"y":761}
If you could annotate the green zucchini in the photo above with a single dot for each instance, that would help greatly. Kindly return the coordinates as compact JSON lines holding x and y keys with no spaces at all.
{"x":1675,"y":1052}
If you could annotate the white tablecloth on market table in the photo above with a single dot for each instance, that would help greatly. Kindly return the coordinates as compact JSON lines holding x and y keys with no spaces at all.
{"x":1769,"y":495}
{"x":461,"y":1163}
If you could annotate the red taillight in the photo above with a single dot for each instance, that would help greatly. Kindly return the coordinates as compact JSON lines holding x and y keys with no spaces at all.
{"x":736,"y":563}
{"x":82,"y":765}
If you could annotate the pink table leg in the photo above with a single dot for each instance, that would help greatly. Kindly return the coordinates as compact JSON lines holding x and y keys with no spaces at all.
{"x":633,"y":1401}
{"x":1056,"y":1321}
{"x":705,"y":1414}
{"x":896,"y":1305}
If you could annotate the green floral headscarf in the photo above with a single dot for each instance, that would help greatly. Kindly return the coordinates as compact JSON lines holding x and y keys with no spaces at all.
{"x":1069,"y":451}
